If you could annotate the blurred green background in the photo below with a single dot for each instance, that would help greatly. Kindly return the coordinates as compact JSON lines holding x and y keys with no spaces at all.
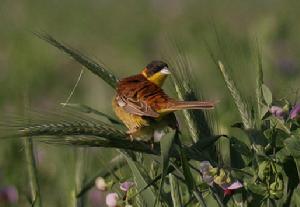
{"x":125,"y":36}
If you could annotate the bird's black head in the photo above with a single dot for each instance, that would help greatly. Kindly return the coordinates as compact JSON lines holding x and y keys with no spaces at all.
{"x":156,"y":71}
{"x":154,"y":67}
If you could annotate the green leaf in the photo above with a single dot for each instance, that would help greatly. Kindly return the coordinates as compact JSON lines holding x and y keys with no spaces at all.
{"x":264,"y":169}
{"x":166,"y":144}
{"x":141,"y":180}
{"x":296,"y":197}
{"x":204,"y":142}
{"x":189,"y":180}
{"x":267,"y":94}
{"x":264,"y":109}
{"x":240,"y":147}
{"x":282,"y":155}
{"x":175,"y":191}
{"x":293,"y":146}
{"x":297,"y":162}
{"x":260,"y":189}
{"x":279,"y":124}
{"x":91,"y":65}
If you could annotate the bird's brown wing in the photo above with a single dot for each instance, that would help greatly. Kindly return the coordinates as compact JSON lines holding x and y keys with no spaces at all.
{"x":138,"y":96}
{"x":136,"y":107}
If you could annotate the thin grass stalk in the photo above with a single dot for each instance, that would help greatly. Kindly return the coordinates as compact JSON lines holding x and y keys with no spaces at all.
{"x":223,"y":148}
{"x":216,"y":197}
{"x":31,"y":166}
{"x":200,"y":198}
{"x":175,"y":191}
{"x":259,"y":91}
{"x":80,"y":155}
{"x":259,"y":82}
{"x":32,"y":173}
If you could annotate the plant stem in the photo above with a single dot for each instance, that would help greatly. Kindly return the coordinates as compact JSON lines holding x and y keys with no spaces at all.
{"x":200,"y":198}
{"x":32,"y":173}
{"x":79,"y":175}
{"x":175,"y":191}
{"x":31,"y":165}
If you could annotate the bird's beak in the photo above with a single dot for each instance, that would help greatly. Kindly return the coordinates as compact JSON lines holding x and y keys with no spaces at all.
{"x":165,"y":71}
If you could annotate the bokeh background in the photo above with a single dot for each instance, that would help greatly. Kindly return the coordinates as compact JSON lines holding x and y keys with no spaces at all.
{"x":125,"y":36}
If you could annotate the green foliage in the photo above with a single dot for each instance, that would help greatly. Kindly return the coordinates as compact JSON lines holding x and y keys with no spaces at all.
{"x":166,"y":145}
{"x":142,"y":179}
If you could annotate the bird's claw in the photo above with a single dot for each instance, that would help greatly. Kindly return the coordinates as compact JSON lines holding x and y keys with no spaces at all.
{"x":130,"y":134}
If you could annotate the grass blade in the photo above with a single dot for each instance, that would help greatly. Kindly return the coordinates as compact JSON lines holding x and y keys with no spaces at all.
{"x":259,"y":83}
{"x":175,"y":191}
{"x":202,"y":144}
{"x":90,"y":64}
{"x":31,"y":165}
{"x":200,"y":198}
{"x":80,"y":160}
{"x":166,"y":144}
{"x":32,"y":173}
{"x":189,"y":180}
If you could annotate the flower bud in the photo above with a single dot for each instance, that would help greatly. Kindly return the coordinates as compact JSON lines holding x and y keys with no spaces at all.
{"x":100,"y":184}
{"x":112,"y":199}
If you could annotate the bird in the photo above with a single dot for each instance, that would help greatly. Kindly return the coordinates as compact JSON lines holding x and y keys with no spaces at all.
{"x":143,"y":106}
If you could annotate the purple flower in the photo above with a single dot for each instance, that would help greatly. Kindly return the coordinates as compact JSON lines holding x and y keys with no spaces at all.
{"x":208,"y":179}
{"x":9,"y":194}
{"x":229,"y":189}
{"x":233,"y":186}
{"x":112,"y":199}
{"x":277,"y":111}
{"x":126,"y":185}
{"x":295,"y":112}
{"x":207,"y":176}
{"x":205,"y":166}
{"x":220,"y":177}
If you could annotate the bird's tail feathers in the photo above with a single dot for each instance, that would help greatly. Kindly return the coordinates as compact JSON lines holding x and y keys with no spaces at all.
{"x":182,"y":105}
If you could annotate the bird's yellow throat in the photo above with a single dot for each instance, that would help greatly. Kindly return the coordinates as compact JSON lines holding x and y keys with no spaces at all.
{"x":157,"y":78}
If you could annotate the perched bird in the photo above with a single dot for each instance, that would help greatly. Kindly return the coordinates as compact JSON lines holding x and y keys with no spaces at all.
{"x":145,"y":109}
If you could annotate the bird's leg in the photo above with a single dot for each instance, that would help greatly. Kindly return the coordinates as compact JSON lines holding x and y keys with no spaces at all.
{"x":130,"y":132}
{"x":152,"y":142}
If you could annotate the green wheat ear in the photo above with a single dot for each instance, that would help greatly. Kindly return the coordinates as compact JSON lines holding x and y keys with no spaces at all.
{"x":199,"y":123}
{"x":69,"y":128}
{"x":237,"y":97}
{"x":90,"y":64}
